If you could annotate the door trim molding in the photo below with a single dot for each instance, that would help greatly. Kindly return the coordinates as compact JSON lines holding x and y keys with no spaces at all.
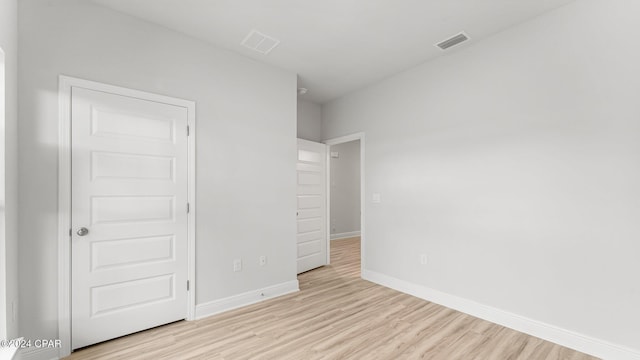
{"x":329,"y":143}
{"x":65,"y":83}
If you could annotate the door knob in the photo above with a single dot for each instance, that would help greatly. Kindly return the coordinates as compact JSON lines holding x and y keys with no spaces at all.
{"x":82,"y":231}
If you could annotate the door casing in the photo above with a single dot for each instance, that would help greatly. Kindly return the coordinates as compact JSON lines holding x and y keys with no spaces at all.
{"x":64,"y":195}
{"x":329,"y":143}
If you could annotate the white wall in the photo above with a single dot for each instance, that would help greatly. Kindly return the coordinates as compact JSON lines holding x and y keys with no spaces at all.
{"x":514,"y":165}
{"x":309,"y":121}
{"x":246,"y":145}
{"x":345,"y":188}
{"x":8,"y":169}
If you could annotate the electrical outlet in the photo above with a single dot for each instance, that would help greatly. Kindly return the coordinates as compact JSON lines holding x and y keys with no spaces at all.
{"x":263,"y":260}
{"x":237,"y":265}
{"x":423,"y":259}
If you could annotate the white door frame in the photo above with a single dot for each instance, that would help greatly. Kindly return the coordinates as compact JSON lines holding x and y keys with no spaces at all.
{"x":64,"y":195}
{"x":336,"y":141}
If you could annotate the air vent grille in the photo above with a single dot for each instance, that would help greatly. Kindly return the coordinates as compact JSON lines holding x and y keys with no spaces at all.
{"x":453,"y":41}
{"x":260,"y":42}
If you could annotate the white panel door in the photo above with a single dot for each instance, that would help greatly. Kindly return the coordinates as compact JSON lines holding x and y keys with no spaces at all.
{"x":312,"y":199}
{"x":129,"y":191}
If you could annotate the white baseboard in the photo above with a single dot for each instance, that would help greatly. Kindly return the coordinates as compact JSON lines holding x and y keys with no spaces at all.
{"x":38,"y":354}
{"x":345,"y":235}
{"x":567,"y":338}
{"x":244,"y":299}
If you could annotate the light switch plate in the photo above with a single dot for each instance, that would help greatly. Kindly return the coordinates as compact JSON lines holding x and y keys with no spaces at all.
{"x":237,"y":265}
{"x":375,"y":198}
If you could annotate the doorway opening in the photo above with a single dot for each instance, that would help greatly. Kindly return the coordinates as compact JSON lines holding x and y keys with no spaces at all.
{"x":345,"y":194}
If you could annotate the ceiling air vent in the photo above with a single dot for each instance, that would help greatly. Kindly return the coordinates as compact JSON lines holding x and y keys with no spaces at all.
{"x":260,"y":42}
{"x":453,"y":41}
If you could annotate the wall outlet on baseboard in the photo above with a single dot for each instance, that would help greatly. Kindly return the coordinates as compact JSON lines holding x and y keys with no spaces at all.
{"x":423,"y":259}
{"x":237,"y":265}
{"x":262,"y":260}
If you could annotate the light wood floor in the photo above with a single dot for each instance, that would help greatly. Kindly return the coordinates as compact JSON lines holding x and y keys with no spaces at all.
{"x":336,"y":315}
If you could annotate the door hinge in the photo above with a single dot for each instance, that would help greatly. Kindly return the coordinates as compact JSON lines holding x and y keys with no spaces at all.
{"x":187,"y":130}
{"x":70,"y":234}
{"x":188,"y":208}
{"x":187,"y":285}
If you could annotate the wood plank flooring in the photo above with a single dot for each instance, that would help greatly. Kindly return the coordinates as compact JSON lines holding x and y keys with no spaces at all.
{"x":336,"y":315}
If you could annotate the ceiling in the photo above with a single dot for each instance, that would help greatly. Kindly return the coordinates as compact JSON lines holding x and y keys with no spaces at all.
{"x":337,"y":46}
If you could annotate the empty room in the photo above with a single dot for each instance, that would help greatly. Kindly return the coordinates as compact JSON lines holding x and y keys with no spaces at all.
{"x":339,"y":179}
